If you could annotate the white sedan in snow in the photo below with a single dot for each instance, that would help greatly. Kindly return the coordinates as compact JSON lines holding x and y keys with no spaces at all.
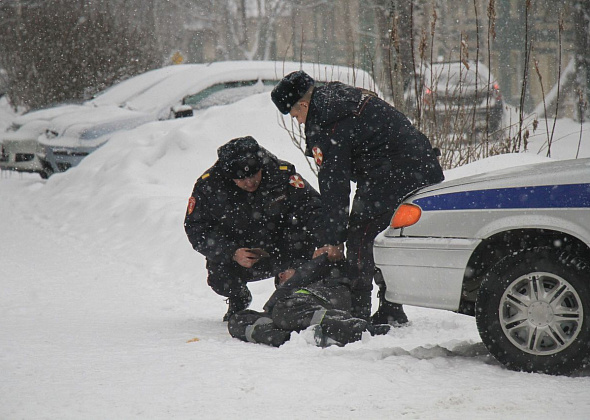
{"x":169,"y":92}
{"x":19,"y":146}
{"x":512,"y":248}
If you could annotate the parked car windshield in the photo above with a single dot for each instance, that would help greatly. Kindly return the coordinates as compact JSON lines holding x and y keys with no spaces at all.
{"x":123,"y":92}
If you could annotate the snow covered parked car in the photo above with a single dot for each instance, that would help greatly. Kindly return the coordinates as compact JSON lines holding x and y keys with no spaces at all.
{"x":18,"y":144}
{"x":169,"y":92}
{"x":512,"y":248}
{"x":456,"y":94}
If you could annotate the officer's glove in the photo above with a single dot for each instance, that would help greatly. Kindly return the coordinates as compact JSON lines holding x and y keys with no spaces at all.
{"x":334,"y":252}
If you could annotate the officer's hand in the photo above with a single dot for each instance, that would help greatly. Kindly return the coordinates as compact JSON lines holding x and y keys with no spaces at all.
{"x":245,"y":257}
{"x":286,"y":275}
{"x":335,"y":252}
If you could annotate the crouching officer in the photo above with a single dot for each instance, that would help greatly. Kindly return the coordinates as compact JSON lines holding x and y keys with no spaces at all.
{"x":355,"y":136}
{"x":252,"y":216}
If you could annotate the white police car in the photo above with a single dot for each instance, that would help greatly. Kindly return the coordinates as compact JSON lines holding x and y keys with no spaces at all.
{"x":512,"y":248}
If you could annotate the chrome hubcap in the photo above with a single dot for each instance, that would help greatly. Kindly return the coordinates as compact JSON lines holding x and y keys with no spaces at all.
{"x":541,"y":313}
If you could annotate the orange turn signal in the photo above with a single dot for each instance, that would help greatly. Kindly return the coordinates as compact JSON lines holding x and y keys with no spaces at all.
{"x":406,"y":215}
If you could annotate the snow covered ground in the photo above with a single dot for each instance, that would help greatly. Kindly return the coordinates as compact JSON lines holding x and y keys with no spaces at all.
{"x":105,"y":312}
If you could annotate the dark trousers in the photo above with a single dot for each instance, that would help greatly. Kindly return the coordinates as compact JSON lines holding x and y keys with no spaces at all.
{"x":256,"y":327}
{"x":373,"y":208}
{"x":359,"y":249}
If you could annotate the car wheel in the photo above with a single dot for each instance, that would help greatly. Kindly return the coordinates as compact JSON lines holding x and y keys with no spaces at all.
{"x":533,"y":311}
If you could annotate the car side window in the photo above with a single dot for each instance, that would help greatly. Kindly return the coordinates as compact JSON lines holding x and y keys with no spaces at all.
{"x":227,"y":93}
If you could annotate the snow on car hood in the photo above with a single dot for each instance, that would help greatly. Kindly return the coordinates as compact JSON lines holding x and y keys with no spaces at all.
{"x":543,"y":173}
{"x":30,"y":126}
{"x":90,"y":126}
{"x":28,"y":132}
{"x":45,"y":114}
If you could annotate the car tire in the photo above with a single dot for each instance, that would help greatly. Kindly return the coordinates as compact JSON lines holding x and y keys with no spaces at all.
{"x":533,"y":311}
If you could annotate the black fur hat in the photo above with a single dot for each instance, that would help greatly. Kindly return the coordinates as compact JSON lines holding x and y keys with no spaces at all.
{"x":240,"y":158}
{"x":290,"y":90}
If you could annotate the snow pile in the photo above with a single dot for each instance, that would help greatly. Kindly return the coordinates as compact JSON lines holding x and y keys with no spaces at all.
{"x":132,"y":193}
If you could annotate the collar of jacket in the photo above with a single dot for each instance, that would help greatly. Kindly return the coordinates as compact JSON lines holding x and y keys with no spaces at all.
{"x":333,"y":102}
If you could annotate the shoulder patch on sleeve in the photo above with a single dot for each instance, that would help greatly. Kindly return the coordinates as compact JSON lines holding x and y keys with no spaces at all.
{"x":284,"y":168}
{"x":206,"y":175}
{"x":296,"y":181}
{"x":318,"y":155}
{"x":192,"y":202}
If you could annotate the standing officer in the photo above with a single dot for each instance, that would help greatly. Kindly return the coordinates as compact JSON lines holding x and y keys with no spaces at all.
{"x":355,"y":136}
{"x":252,"y":216}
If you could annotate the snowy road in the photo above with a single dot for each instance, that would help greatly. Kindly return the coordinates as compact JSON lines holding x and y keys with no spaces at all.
{"x":87,"y":332}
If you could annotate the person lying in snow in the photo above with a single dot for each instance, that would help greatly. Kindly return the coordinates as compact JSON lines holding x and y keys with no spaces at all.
{"x":315,"y":294}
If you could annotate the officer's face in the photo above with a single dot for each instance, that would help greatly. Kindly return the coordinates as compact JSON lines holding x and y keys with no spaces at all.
{"x":250,"y":184}
{"x":299,"y":111}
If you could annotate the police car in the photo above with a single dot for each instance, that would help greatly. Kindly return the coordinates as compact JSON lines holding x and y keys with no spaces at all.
{"x":510,"y":247}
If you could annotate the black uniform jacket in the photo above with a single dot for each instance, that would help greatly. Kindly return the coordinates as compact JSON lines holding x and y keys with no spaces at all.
{"x":221,"y":217}
{"x":355,"y":136}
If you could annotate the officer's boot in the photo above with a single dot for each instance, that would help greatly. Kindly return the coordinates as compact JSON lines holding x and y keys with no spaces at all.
{"x":388,"y":313}
{"x":256,"y":327}
{"x":339,"y":327}
{"x":267,"y":333}
{"x":361,"y":304}
{"x":378,"y":329}
{"x":238,"y":302}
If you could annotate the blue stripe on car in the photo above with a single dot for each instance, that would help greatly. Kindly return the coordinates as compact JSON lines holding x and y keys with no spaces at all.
{"x":545,"y":196}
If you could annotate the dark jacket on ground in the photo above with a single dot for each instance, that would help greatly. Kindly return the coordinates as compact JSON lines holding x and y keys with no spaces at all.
{"x":222,"y":217}
{"x":318,"y":294}
{"x":355,"y":136}
{"x":317,"y":277}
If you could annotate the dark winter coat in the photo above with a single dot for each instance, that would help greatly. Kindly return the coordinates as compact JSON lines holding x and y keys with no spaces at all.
{"x":317,"y":277}
{"x":355,"y":136}
{"x":222,"y":217}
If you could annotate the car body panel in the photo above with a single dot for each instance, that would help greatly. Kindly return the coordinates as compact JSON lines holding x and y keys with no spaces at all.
{"x":425,"y":264}
{"x":20,"y":156}
{"x":19,"y":148}
{"x":423,"y":271}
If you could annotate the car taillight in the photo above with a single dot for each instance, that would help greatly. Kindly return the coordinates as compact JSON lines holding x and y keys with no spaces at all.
{"x":427,"y":96}
{"x":497,"y":91}
{"x":406,"y":215}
